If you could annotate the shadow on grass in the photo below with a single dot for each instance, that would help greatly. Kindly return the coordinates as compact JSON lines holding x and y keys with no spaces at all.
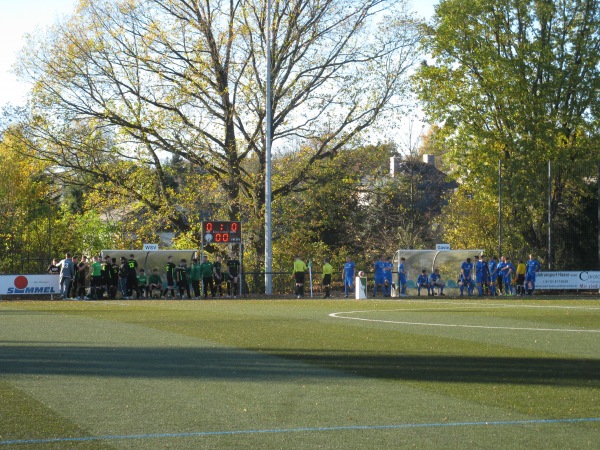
{"x":277,"y":364}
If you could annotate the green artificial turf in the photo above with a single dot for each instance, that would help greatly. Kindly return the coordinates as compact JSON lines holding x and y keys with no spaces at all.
{"x":275,"y":373}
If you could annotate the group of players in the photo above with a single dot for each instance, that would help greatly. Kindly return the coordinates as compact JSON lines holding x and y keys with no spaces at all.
{"x":383,"y":277}
{"x":494,"y":277}
{"x":498,"y":277}
{"x":84,"y":280}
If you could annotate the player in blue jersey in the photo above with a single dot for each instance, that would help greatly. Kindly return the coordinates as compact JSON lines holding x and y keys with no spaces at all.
{"x":379,"y":275}
{"x":493,"y":273}
{"x":348,"y":276}
{"x":533,"y":266}
{"x":435,"y":281}
{"x":500,"y":275}
{"x":423,"y":282}
{"x":485,"y":278}
{"x":388,"y":281}
{"x":506,"y":268}
{"x":480,"y":274}
{"x":466,"y":270}
{"x":402,"y":277}
{"x":465,"y":282}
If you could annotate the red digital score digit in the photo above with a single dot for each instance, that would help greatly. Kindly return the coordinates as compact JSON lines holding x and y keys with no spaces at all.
{"x":209,"y":227}
{"x":234,"y":227}
{"x":221,"y":237}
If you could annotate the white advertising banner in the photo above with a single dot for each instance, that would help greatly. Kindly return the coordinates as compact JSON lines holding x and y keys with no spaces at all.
{"x":567,"y":280}
{"x":29,"y":284}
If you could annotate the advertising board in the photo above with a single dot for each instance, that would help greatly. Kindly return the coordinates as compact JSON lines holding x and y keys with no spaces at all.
{"x":29,"y":284}
{"x":568,"y":280}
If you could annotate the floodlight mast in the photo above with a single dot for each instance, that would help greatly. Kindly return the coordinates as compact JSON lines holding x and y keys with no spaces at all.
{"x":269,"y":138}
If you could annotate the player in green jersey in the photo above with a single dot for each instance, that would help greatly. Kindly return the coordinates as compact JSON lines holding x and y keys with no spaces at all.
{"x":233,"y":276}
{"x":206,"y":269}
{"x":154,"y":283}
{"x":142,"y":284}
{"x":96,"y":274}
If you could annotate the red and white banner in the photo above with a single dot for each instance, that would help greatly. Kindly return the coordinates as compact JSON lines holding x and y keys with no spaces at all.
{"x":29,"y":284}
{"x":567,"y":280}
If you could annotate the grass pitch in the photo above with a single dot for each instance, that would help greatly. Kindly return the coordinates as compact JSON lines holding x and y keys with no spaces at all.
{"x":304,"y":374}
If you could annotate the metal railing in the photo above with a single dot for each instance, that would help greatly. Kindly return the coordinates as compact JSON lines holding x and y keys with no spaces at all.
{"x":284,"y":284}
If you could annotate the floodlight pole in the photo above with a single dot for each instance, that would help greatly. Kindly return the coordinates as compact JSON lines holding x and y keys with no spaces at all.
{"x":269,"y":138}
{"x":550,"y":262}
{"x":500,"y":208}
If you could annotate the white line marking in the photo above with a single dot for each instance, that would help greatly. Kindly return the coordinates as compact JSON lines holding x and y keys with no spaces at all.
{"x":299,"y":430}
{"x":509,"y":305}
{"x":449,"y":325}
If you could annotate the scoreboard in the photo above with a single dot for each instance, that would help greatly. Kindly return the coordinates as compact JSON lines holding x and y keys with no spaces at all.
{"x":220,"y":232}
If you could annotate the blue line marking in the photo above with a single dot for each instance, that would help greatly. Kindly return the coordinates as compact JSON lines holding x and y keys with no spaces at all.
{"x":297,"y":430}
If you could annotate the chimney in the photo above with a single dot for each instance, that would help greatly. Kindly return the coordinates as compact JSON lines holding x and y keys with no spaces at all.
{"x":394,"y":165}
{"x":429,"y":159}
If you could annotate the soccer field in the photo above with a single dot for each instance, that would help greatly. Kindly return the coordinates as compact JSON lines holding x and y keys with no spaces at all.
{"x":300,"y":374}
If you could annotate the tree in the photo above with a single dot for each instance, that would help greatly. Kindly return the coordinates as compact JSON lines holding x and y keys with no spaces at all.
{"x":403,"y":210}
{"x":325,"y":216}
{"x":515,"y":81}
{"x":351,"y":205}
{"x":37,"y":219}
{"x":26,"y":211}
{"x":122,"y":84}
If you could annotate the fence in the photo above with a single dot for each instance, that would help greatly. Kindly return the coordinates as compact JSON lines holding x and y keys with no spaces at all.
{"x":283,"y":284}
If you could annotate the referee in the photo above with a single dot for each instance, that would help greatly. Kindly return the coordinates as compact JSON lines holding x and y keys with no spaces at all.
{"x":327,"y":270}
{"x":299,"y":271}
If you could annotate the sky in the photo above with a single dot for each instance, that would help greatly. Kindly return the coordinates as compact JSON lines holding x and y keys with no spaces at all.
{"x":20,"y":17}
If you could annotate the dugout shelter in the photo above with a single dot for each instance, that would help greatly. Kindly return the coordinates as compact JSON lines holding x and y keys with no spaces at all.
{"x":448,"y":261}
{"x":150,"y":260}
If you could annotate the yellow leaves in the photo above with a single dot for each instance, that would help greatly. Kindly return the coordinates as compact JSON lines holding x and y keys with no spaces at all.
{"x":127,"y":6}
{"x":471,"y":220}
{"x":21,"y":171}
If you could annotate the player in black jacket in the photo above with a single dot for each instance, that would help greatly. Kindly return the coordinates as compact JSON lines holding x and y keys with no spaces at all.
{"x":170,"y":272}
